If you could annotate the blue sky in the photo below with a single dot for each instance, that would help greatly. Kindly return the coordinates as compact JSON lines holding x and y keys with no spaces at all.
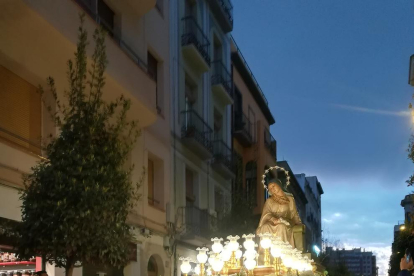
{"x":335,"y":73}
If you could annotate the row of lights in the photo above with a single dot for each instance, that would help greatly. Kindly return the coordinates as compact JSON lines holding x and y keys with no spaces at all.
{"x":227,"y":258}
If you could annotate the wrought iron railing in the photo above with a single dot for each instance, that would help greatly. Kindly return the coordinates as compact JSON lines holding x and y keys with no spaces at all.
{"x":227,"y":8}
{"x":222,"y":76}
{"x":193,"y":126}
{"x":193,"y":34}
{"x":270,"y":142}
{"x":242,"y":124}
{"x":109,"y":29}
{"x":198,"y":222}
{"x":223,"y":154}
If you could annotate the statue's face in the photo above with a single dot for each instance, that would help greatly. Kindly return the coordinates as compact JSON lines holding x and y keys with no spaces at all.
{"x":274,"y":188}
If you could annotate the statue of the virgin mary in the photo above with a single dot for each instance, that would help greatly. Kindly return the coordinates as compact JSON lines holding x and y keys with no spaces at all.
{"x":279,"y":214}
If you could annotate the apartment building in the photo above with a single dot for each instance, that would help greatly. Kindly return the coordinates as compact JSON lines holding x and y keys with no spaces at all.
{"x":37,"y":39}
{"x":313,"y":216}
{"x":201,"y":100}
{"x":358,"y":261}
{"x":253,"y":143}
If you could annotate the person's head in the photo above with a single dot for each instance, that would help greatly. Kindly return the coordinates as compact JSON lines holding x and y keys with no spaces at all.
{"x":274,"y":186}
{"x":41,"y":273}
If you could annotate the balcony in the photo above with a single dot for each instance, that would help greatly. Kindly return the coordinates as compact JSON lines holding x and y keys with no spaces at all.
{"x":196,"y":134}
{"x":141,"y":7}
{"x":223,"y":11}
{"x":195,"y":45}
{"x":270,"y":142}
{"x":221,"y":82}
{"x":243,"y":130}
{"x":223,"y":159}
{"x":198,"y":224}
{"x":51,"y":29}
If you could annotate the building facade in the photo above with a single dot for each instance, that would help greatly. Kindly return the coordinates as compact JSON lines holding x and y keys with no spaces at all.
{"x":201,"y":100}
{"x":359,"y":262}
{"x":254,"y":146}
{"x":313,"y":218}
{"x":138,"y":52}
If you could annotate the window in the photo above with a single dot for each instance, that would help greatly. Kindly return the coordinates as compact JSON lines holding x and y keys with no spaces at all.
{"x":218,"y":125}
{"x":251,"y":182}
{"x":20,"y":112}
{"x":101,"y":12}
{"x":218,"y":54}
{"x":189,"y":187}
{"x":252,"y":118}
{"x":190,"y":93}
{"x":151,"y":185}
{"x":218,"y":202}
{"x":155,"y":174}
{"x":153,"y":72}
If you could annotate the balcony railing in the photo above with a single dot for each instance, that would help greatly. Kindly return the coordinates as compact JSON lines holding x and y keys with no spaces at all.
{"x":222,"y":76}
{"x":223,"y":154}
{"x":243,"y":125}
{"x":223,"y":9}
{"x":193,"y":126}
{"x":227,"y":8}
{"x":270,"y":142}
{"x":250,"y":71}
{"x":109,"y":29}
{"x":33,"y":146}
{"x":193,"y":34}
{"x":198,"y":222}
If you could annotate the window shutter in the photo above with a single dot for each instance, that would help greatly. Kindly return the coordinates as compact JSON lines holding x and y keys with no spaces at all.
{"x":20,"y":111}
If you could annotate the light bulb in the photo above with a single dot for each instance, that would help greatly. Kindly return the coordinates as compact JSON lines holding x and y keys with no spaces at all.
{"x":202,"y":255}
{"x":211,"y":260}
{"x":249,"y":243}
{"x":233,"y":244}
{"x":217,"y":247}
{"x":250,"y":254}
{"x":250,"y":264}
{"x":276,"y":252}
{"x":239,"y":253}
{"x":185,"y":266}
{"x":197,"y":269}
{"x":218,"y":265}
{"x":265,"y":240}
{"x":225,"y":255}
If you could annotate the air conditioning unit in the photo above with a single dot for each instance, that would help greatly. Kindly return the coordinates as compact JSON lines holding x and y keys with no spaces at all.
{"x":411,"y":71}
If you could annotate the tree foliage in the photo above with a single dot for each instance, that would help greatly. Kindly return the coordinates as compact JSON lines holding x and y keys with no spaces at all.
{"x":403,"y":240}
{"x":75,"y":202}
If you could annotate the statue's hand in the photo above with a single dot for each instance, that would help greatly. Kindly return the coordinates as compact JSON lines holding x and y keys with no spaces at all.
{"x":274,"y":220}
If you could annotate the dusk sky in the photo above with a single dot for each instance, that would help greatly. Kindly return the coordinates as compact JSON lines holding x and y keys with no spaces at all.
{"x":335,"y":73}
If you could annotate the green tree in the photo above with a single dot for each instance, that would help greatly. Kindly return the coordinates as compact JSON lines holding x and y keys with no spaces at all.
{"x":404,"y":240}
{"x":75,"y":202}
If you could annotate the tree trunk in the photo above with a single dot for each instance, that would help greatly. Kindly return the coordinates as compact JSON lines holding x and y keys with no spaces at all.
{"x":69,"y":270}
